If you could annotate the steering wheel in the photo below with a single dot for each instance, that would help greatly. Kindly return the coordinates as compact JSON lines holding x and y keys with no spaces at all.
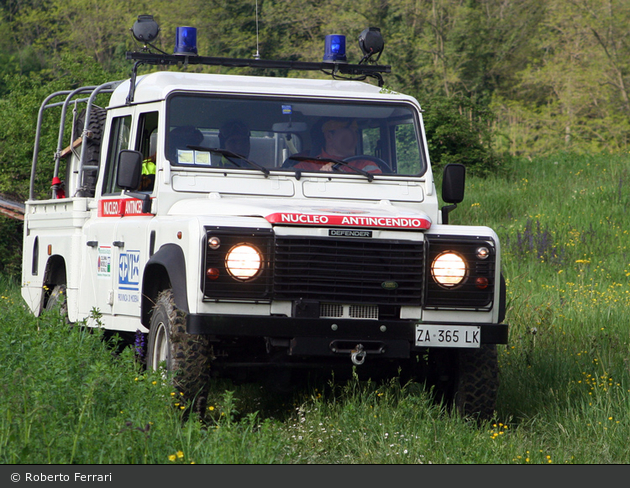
{"x":383,"y":166}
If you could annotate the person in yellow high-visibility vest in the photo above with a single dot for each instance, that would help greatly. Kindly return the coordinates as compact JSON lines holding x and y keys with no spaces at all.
{"x":148,"y":174}
{"x":148,"y":166}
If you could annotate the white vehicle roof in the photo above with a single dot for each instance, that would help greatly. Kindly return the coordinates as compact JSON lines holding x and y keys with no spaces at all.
{"x":157,"y":86}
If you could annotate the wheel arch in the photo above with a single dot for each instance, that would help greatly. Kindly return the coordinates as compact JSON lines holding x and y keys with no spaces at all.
{"x":55,"y":274}
{"x":165,"y":269}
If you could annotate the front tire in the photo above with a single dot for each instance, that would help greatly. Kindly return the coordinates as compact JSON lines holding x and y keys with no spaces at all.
{"x":467,"y":379}
{"x":477,"y":382}
{"x":186,"y":356}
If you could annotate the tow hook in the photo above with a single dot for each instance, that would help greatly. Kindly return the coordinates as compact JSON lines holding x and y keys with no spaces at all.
{"x":357,"y":355}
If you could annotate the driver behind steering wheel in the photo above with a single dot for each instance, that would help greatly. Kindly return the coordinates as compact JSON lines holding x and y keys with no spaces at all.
{"x":340,"y":141}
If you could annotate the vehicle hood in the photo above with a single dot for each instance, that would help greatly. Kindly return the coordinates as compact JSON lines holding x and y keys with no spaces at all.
{"x":304,"y":212}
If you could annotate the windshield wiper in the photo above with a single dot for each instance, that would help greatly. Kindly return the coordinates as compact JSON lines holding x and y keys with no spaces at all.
{"x":229,"y":155}
{"x":336,"y":162}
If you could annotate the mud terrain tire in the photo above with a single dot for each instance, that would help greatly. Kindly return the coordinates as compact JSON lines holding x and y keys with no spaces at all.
{"x":57,"y":299}
{"x":185,"y":355}
{"x":467,"y":379}
{"x":96,"y":126}
{"x":477,"y":382}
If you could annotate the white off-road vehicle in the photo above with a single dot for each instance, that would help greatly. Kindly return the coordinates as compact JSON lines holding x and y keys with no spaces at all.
{"x":286,"y":257}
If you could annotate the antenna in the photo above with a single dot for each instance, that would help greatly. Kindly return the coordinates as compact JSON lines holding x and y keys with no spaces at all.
{"x":257,"y":55}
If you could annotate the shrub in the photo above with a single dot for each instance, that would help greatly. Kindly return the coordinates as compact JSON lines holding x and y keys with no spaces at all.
{"x":458,"y":131}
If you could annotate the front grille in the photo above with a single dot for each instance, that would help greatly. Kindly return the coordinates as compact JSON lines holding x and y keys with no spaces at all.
{"x":351,"y":278}
{"x":372,"y":271}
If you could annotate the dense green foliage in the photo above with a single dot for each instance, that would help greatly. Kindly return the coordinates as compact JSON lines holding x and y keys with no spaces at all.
{"x":565,"y":385}
{"x":11,"y":246}
{"x":19,"y":111}
{"x":452,"y":137}
{"x":494,"y":76}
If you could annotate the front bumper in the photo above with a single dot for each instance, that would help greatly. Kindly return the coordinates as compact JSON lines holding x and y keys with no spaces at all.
{"x":328,"y":337}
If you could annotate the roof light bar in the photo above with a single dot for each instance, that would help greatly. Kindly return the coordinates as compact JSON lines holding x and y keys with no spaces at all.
{"x":335,"y":68}
{"x":334,"y":63}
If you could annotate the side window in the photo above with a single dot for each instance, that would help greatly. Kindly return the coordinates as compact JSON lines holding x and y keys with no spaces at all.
{"x":371,"y":141}
{"x":407,"y":151}
{"x":376,"y":143}
{"x":118,"y":139}
{"x":146,"y":143}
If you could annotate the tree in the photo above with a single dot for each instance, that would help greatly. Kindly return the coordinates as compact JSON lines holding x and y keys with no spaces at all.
{"x":19,"y":111}
{"x":573,"y":94}
{"x":458,"y":131}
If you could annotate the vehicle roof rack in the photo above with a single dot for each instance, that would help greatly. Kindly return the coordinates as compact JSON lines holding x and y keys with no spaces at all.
{"x":335,"y":69}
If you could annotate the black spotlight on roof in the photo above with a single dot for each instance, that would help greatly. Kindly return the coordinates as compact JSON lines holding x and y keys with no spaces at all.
{"x":145,"y":29}
{"x":371,"y":43}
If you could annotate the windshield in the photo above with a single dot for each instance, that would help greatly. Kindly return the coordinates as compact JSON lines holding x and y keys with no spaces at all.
{"x":294,"y":135}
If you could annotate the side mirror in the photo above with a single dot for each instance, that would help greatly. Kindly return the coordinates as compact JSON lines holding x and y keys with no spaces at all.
{"x":453,"y":185}
{"x":129,"y":175}
{"x":129,"y":169}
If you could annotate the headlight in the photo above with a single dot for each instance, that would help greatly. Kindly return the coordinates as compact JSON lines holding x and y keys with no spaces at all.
{"x":243,"y":262}
{"x":448,"y":269}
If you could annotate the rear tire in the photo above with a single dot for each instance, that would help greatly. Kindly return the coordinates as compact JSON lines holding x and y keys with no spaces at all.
{"x":170,"y":347}
{"x":57,"y":299}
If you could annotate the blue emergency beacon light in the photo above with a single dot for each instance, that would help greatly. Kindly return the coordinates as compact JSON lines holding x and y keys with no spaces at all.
{"x":186,"y":41}
{"x":335,"y":48}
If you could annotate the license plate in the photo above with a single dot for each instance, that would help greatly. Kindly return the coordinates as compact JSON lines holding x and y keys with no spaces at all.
{"x":448,"y":335}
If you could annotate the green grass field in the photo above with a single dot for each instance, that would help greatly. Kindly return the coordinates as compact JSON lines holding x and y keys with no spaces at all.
{"x":565,"y":376}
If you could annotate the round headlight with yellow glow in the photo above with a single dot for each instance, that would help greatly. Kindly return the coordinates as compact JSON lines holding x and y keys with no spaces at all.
{"x":449,"y":269}
{"x":243,"y":262}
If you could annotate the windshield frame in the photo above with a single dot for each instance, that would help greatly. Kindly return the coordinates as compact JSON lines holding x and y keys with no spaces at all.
{"x":411,"y":112}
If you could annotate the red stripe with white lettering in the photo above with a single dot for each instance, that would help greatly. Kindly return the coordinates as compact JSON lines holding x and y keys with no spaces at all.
{"x":121,"y":207}
{"x":422,"y":223}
